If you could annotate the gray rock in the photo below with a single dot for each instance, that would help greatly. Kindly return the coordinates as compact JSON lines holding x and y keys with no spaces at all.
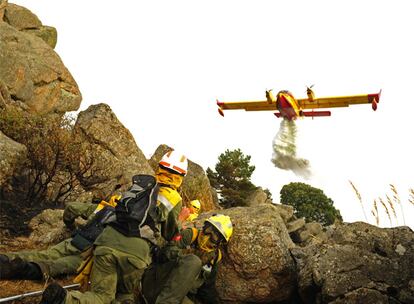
{"x":257,"y":266}
{"x":34,"y":75}
{"x":295,"y":225}
{"x":12,"y":155}
{"x":47,"y":33}
{"x":116,"y":157}
{"x":363,"y":295}
{"x":314,"y":228}
{"x":285,"y":211}
{"x":48,"y":227}
{"x":3,"y":4}
{"x":258,"y":197}
{"x":20,"y":17}
{"x":354,"y":260}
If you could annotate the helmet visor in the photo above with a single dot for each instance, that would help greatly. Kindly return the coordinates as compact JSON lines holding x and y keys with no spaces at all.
{"x":215,"y":236}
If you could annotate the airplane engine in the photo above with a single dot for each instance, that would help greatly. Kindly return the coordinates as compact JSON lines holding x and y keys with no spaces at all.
{"x":311,"y":95}
{"x":270,"y":97}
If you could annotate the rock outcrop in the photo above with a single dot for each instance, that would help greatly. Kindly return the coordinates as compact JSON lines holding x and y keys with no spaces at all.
{"x":12,"y":154}
{"x":258,"y":197}
{"x":195,"y":184}
{"x":273,"y":257}
{"x":358,"y":263}
{"x":115,"y":155}
{"x":31,"y":73}
{"x":257,"y":266}
{"x":48,"y":227}
{"x":24,"y":20}
{"x":3,"y":4}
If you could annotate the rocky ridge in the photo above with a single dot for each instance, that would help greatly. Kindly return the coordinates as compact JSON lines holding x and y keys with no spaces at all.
{"x":273,"y":256}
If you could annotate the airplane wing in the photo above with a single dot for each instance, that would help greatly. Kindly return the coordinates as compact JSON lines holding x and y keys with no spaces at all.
{"x":340,"y":101}
{"x":261,"y":105}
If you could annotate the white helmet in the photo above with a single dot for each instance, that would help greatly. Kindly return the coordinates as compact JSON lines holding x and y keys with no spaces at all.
{"x":175,"y":162}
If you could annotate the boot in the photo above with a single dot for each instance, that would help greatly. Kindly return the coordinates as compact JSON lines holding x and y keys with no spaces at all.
{"x":53,"y":294}
{"x":8,"y":268}
{"x":18,"y":269}
{"x":4,"y":259}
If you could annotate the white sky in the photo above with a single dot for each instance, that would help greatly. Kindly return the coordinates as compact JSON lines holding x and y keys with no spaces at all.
{"x":160,"y":65}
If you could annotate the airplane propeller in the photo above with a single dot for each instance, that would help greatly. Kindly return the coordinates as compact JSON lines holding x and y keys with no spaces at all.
{"x":309,"y":92}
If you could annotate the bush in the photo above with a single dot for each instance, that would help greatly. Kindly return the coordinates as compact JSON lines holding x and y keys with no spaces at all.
{"x":232,"y":178}
{"x":310,"y":203}
{"x":55,"y":159}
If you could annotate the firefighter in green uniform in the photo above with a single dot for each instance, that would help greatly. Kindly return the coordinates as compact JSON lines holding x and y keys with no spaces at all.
{"x":192,"y":271}
{"x":121,"y":255}
{"x":63,"y":258}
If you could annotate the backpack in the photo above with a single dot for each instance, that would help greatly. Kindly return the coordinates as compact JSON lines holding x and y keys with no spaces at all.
{"x":133,"y":209}
{"x":84,"y":237}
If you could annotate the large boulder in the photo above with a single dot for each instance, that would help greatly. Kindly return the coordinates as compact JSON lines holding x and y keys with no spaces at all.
{"x":257,"y":266}
{"x":115,"y":155}
{"x":3,"y":4}
{"x":358,"y":263}
{"x":24,"y":20}
{"x":48,"y":227}
{"x":33,"y":74}
{"x":258,"y":197}
{"x":12,"y":154}
{"x":195,"y":184}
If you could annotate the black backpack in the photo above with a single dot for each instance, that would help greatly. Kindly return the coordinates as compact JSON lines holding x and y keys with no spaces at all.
{"x":133,"y":209}
{"x":84,"y":237}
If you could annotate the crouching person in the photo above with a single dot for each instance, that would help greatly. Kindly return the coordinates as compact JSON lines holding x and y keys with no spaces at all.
{"x":188,"y":272}
{"x":120,"y":253}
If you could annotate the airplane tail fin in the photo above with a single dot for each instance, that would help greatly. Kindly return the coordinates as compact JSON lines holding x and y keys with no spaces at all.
{"x":220,"y":109}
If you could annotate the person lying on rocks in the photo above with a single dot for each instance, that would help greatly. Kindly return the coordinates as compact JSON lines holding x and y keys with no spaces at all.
{"x":65,"y":257}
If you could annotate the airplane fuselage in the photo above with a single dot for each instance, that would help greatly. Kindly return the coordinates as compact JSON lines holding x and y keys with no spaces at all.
{"x":287,"y":105}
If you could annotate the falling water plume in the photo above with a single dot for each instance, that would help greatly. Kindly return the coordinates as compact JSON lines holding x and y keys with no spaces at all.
{"x":284,"y":151}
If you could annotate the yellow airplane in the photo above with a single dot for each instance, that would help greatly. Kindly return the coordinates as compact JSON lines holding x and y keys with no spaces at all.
{"x":291,"y":108}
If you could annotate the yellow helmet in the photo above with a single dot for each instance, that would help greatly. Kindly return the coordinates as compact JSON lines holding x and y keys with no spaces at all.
{"x":196,"y":205}
{"x":175,"y":162}
{"x":223,"y":224}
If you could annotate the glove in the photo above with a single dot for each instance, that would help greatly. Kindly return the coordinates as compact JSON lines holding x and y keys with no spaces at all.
{"x":165,"y":254}
{"x":84,"y":272}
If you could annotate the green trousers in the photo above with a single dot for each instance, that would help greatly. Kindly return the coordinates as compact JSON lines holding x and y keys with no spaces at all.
{"x":170,"y":282}
{"x":115,"y":278}
{"x":60,"y":259}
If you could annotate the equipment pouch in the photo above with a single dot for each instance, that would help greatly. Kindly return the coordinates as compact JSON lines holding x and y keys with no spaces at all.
{"x":80,"y":242}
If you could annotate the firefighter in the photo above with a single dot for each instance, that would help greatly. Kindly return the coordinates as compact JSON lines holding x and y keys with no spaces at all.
{"x":121,"y":255}
{"x":195,"y":206}
{"x":63,"y":258}
{"x":192,"y":270}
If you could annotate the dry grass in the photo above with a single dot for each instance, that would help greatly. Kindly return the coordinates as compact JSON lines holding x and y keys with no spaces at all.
{"x":397,"y":199}
{"x":359,"y":198}
{"x":388,"y":204}
{"x":386,"y":209}
{"x":375,"y":212}
{"x":392,"y":207}
{"x":411,"y":197}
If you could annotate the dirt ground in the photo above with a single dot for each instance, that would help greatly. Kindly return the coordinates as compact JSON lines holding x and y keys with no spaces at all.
{"x":8,"y":243}
{"x":11,"y":288}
